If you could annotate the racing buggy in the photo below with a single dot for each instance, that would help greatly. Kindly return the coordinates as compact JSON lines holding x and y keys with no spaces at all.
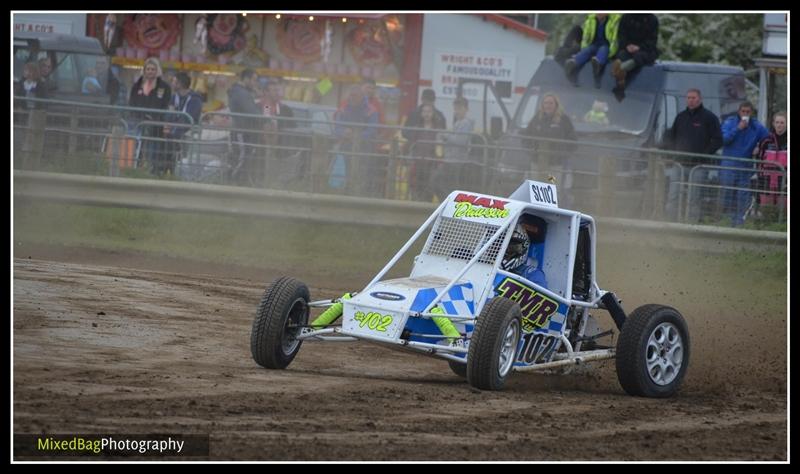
{"x":501,"y":285}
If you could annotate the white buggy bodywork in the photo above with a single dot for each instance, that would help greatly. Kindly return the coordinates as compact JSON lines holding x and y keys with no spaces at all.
{"x":458,"y":273}
{"x":480,"y":232}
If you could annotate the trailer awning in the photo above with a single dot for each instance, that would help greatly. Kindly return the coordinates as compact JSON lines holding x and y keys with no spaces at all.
{"x":357,"y":16}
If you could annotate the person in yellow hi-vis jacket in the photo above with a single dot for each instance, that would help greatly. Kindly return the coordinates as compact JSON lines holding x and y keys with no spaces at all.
{"x":599,"y":43}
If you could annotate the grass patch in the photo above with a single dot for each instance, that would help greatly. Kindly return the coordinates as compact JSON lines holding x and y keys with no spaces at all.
{"x":225,"y":239}
{"x":757,"y":264}
{"x":326,"y":249}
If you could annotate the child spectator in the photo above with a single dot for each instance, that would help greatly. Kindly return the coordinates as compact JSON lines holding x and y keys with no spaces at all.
{"x":773,"y":152}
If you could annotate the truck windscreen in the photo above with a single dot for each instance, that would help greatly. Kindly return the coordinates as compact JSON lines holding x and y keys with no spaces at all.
{"x":594,"y":110}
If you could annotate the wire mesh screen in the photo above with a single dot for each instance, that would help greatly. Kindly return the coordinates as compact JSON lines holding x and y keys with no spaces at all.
{"x":457,"y":238}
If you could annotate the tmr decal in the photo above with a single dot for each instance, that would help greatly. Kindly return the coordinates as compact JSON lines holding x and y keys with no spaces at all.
{"x":536,"y":307}
{"x":469,"y":205}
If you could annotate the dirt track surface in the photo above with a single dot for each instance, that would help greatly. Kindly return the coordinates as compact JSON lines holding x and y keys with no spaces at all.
{"x":109,"y":349}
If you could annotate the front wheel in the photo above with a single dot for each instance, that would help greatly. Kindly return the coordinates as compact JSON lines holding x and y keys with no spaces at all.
{"x":280,"y":316}
{"x":494,"y":343}
{"x":653,"y":352}
{"x":458,"y":368}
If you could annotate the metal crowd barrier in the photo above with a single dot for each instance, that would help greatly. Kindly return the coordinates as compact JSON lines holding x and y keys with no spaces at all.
{"x":85,"y":138}
{"x":384,"y":161}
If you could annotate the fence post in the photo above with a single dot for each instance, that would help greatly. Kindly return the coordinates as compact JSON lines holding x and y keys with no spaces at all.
{"x":72,"y":140}
{"x":606,"y":187}
{"x":391,"y":181}
{"x":656,"y":177}
{"x":355,"y":179}
{"x":34,"y":139}
{"x":114,"y":149}
{"x":320,"y":162}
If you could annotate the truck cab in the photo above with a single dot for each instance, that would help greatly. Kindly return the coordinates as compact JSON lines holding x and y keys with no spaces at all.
{"x":653,"y":97}
{"x":72,"y":59}
{"x":637,"y":118}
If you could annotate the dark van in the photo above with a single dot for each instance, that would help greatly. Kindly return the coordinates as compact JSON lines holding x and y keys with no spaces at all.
{"x":653,"y":97}
{"x":79,"y":65}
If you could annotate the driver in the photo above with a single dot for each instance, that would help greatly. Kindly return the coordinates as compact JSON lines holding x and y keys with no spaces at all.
{"x":526,"y":248}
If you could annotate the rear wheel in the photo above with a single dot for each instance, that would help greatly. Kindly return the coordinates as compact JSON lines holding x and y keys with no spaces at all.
{"x":653,"y":352}
{"x":279,"y":318}
{"x":494,"y":343}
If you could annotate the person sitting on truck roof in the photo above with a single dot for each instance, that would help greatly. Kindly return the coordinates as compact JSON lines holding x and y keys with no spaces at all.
{"x":636,"y":42}
{"x":570,"y":45}
{"x":598,"y":44}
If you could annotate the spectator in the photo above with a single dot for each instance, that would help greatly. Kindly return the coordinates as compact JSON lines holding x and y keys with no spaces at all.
{"x":281,"y":169}
{"x":106,"y":76}
{"x":170,"y":77}
{"x":354,"y":139}
{"x":422,"y":144}
{"x":368,"y":86}
{"x":241,"y":100}
{"x":357,"y":109}
{"x":272,"y":106}
{"x":570,"y":45}
{"x":694,"y":130}
{"x":190,"y":103}
{"x":415,"y":117}
{"x":114,"y":82}
{"x":30,"y":85}
{"x":598,"y":44}
{"x":741,"y":134}
{"x":455,"y":171}
{"x":151,"y":92}
{"x":550,"y":121}
{"x":91,"y":85}
{"x":46,"y":75}
{"x":636,"y":42}
{"x":209,"y":164}
{"x":773,"y":152}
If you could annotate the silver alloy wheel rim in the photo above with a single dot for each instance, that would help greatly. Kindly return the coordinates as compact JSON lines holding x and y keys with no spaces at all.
{"x":664,"y":354}
{"x":509,"y":348}
{"x":289,"y":341}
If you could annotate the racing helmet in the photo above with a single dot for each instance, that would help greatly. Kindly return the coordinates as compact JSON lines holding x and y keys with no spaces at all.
{"x":517,"y":251}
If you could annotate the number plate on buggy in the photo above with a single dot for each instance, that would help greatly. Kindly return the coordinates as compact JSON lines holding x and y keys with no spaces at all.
{"x":373,"y":322}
